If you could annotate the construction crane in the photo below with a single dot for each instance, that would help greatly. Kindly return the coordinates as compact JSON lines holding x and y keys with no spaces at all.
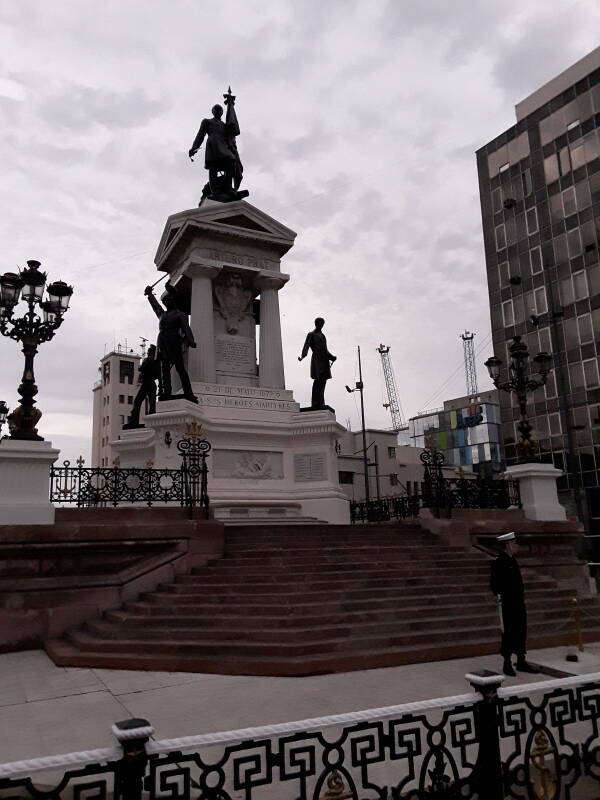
{"x":470,"y":368}
{"x":390,"y":383}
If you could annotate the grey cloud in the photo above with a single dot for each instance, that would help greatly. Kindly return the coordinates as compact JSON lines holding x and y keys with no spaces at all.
{"x":79,"y":107}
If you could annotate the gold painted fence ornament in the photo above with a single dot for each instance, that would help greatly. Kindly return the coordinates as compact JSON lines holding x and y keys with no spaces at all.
{"x":193,"y":430}
{"x":543,"y":781}
{"x":336,"y":789}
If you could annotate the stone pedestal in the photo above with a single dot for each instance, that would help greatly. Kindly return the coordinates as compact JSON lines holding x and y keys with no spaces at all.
{"x":539,"y":496}
{"x":25,"y":482}
{"x":268,"y":461}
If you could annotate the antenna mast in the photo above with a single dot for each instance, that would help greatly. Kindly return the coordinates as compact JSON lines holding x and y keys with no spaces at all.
{"x":392,"y":391}
{"x":470,"y":368}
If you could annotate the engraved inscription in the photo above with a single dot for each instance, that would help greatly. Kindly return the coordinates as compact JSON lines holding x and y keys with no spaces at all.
{"x":310,"y":467}
{"x":235,"y":354}
{"x":240,"y":260}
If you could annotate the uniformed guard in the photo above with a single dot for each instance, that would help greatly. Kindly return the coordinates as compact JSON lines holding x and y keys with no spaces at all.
{"x":507,"y":585}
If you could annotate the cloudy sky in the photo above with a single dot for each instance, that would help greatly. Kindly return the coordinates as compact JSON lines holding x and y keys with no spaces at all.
{"x":359,"y":122}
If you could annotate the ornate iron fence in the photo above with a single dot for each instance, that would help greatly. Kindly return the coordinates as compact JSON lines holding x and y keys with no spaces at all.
{"x":538,"y":741}
{"x":112,"y":486}
{"x":439,"y":493}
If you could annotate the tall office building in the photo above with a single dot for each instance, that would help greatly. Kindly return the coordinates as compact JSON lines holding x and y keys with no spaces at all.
{"x":113,"y":397}
{"x":539,"y":184}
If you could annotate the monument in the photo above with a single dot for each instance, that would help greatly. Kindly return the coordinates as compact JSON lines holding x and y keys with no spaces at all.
{"x":223,"y":262}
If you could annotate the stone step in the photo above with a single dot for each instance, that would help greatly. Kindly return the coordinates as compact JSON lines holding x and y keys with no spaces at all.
{"x":379,"y":584}
{"x":118,"y":623}
{"x":309,"y":646}
{"x":415,"y":607}
{"x":219,"y":574}
{"x":65,"y":654}
{"x":349,"y":557}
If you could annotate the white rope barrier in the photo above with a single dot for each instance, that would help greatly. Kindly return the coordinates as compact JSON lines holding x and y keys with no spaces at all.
{"x":313,"y":723}
{"x":82,"y":759}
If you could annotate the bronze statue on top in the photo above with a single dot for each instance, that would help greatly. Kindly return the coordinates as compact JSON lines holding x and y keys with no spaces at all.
{"x":221,"y":157}
{"x":173,"y":332}
{"x":320,"y":364}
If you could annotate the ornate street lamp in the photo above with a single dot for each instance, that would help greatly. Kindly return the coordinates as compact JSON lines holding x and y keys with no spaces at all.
{"x":520,"y":383}
{"x":3,"y":413}
{"x":31,"y":330}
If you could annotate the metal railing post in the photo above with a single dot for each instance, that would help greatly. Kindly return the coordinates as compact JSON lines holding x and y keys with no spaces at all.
{"x":132,"y":735}
{"x":488,"y":778}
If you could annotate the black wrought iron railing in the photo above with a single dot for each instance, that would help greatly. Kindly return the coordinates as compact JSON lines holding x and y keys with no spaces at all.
{"x":112,"y":486}
{"x":536,"y":741}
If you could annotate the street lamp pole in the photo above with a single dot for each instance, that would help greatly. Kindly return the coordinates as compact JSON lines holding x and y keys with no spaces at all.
{"x":31,"y":330}
{"x":359,"y":386}
{"x":520,"y":384}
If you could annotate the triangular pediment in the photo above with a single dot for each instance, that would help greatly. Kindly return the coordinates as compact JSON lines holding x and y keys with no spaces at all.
{"x":239,"y":219}
{"x":243,"y":221}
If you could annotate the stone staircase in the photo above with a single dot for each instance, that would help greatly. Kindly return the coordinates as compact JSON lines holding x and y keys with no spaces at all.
{"x":307,"y":600}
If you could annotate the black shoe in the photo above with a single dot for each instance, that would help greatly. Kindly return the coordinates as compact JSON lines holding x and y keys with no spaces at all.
{"x":525,"y":666}
{"x":508,"y":668}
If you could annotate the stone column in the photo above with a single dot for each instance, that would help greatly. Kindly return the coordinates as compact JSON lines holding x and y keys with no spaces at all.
{"x":201,"y":360}
{"x":270,"y":368}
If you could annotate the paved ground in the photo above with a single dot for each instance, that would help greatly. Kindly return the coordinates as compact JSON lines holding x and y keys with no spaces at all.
{"x":47,"y":710}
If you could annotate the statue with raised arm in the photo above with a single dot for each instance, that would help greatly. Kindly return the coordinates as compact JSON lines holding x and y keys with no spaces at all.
{"x":221,"y":157}
{"x":173,"y":333}
{"x":320,"y":363}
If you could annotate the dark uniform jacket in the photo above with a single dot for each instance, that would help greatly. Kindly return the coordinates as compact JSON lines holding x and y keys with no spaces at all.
{"x":506,"y":581}
{"x":319,"y":362}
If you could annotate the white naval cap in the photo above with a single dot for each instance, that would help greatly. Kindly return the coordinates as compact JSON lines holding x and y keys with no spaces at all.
{"x":506,"y":537}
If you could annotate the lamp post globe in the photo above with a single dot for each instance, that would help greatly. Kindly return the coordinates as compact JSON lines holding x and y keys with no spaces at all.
{"x":520,"y":383}
{"x":31,"y":330}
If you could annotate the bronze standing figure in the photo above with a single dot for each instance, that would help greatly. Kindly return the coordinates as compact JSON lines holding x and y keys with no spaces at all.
{"x":149,"y":373}
{"x":173,"y":333}
{"x":221,"y":157}
{"x":320,"y":363}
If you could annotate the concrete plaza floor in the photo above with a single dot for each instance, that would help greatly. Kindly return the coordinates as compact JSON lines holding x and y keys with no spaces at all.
{"x":49,"y":710}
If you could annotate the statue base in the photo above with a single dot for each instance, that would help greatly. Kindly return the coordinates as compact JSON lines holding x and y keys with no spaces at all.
{"x":320,"y":408}
{"x":269,"y":463}
{"x":229,"y":196}
{"x":130,"y":426}
{"x":164,"y":397}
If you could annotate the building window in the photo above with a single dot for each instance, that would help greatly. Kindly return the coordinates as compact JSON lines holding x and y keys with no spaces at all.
{"x":539,"y":299}
{"x":576,"y":377}
{"x":554,"y":424}
{"x":565,"y":161}
{"x":572,"y":125}
{"x":504,"y":167}
{"x":126,"y":371}
{"x":526,"y":181}
{"x":532,"y":221}
{"x":346,"y":477}
{"x":580,"y":287}
{"x":500,"y":237}
{"x":551,"y":168}
{"x":590,"y":372}
{"x":122,"y":418}
{"x":550,"y":387}
{"x":393,"y":480}
{"x":497,"y":200}
{"x":391,"y":452}
{"x":121,"y":398}
{"x":586,"y":333}
{"x":106,"y":373}
{"x":508,"y":314}
{"x":569,"y":201}
{"x":574,"y":243}
{"x":504,"y":274}
{"x":535,"y":259}
{"x":129,"y":400}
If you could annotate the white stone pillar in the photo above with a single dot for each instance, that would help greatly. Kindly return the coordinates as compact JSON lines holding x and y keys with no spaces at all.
{"x":270,"y":368}
{"x":201,"y":359}
{"x":537,"y":485}
{"x":25,"y":482}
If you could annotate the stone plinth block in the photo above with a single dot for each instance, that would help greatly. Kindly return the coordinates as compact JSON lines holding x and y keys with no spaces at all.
{"x":539,"y":496}
{"x":25,"y":482}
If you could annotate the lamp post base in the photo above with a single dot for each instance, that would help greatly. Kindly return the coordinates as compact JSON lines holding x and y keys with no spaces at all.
{"x":539,"y":496}
{"x":25,"y":482}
